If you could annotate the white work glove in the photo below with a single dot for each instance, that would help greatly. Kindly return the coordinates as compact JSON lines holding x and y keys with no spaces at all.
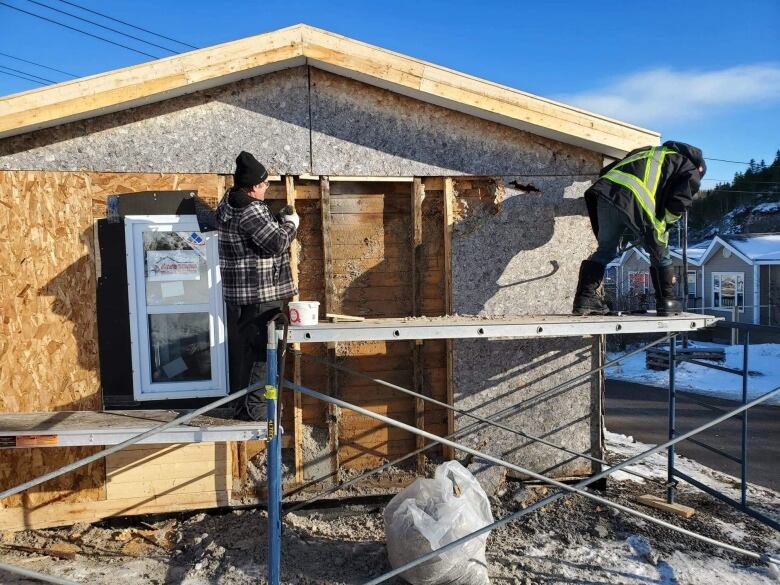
{"x":292,"y":218}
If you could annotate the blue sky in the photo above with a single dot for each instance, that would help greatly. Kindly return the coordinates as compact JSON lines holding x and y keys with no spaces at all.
{"x":707,"y":73}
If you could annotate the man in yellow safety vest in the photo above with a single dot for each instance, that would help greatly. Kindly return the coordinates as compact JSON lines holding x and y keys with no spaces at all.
{"x":643,"y":194}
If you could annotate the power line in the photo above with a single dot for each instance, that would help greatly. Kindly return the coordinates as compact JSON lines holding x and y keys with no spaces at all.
{"x":65,"y":12}
{"x":38,"y":64}
{"x":27,"y":74}
{"x":748,"y":180}
{"x":730,"y":191}
{"x":128,"y":24}
{"x":78,"y":30}
{"x":736,"y":162}
{"x":20,"y":77}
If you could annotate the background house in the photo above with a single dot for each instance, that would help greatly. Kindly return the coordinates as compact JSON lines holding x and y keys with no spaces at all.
{"x":421,"y":190}
{"x":744,"y":272}
{"x":723,"y":273}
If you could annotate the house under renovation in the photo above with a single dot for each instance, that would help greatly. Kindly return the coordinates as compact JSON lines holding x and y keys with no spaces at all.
{"x":422,"y":192}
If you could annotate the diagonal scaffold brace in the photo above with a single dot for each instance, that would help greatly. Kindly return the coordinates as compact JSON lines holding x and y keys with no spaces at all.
{"x":566,"y":489}
{"x":470,"y":428}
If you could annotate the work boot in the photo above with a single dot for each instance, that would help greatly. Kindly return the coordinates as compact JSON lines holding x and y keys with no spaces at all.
{"x":587,"y":300}
{"x":666,"y":304}
{"x":253,"y":406}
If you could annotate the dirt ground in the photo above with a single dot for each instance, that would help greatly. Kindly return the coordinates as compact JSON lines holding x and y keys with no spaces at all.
{"x":573,"y":540}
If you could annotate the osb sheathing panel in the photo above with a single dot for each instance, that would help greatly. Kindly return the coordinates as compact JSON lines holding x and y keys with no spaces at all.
{"x":267,"y":115}
{"x":102,"y":185}
{"x":48,"y":336}
{"x":360,"y":129}
{"x":517,"y":246}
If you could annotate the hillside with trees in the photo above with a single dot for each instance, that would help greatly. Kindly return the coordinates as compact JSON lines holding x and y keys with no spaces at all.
{"x":748,"y":204}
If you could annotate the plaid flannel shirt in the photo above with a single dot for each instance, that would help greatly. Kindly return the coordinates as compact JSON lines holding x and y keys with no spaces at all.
{"x":254,"y":254}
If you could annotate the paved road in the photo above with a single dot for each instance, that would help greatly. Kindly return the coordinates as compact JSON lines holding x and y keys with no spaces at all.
{"x":641,"y":411}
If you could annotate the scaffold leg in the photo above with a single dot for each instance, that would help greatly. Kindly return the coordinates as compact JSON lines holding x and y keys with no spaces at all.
{"x":274,"y":460}
{"x":670,"y":490}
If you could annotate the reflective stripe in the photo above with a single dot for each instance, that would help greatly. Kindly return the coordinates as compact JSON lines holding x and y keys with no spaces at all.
{"x":633,"y":158}
{"x":644,"y":190}
{"x":670,"y":217}
{"x":653,"y":169}
{"x":645,"y":199}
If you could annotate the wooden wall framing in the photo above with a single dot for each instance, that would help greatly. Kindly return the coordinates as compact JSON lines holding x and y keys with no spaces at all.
{"x":364,"y":247}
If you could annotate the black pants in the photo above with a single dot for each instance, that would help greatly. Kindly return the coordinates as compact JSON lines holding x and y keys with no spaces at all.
{"x":247,"y":336}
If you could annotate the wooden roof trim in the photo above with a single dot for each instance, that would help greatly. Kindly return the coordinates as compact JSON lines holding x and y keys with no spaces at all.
{"x":181,"y":74}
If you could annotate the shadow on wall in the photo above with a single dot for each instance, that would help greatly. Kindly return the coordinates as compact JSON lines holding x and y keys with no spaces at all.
{"x":521,"y":257}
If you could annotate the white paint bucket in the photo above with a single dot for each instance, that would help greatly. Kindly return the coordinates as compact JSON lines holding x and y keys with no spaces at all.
{"x":304,"y":312}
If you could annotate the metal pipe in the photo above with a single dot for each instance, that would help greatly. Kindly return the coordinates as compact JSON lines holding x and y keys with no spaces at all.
{"x":715,"y":449}
{"x":711,"y":366}
{"x":567,"y":488}
{"x":131,"y":441}
{"x":467,"y":413}
{"x":466,"y":430}
{"x":745,"y":372}
{"x":35,"y":575}
{"x":688,"y":397}
{"x":724,"y":498}
{"x":684,"y":246}
{"x":670,"y":490}
{"x":274,"y":461}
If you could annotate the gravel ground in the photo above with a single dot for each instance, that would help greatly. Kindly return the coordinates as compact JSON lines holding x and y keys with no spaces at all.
{"x":573,"y":540}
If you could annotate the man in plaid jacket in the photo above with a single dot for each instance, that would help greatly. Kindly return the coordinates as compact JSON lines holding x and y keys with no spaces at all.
{"x":254,"y":260}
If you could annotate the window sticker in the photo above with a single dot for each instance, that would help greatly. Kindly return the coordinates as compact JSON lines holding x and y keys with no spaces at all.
{"x":162,"y":265}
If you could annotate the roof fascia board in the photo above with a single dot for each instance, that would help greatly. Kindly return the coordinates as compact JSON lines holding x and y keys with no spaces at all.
{"x":205,"y":68}
{"x":166,"y":94}
{"x":718,"y":241}
{"x":150,"y":82}
{"x":691,"y":261}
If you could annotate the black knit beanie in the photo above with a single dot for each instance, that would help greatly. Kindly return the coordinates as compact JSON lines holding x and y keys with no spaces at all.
{"x":249,"y":172}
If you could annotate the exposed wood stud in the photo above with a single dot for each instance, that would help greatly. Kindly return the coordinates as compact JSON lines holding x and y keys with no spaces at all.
{"x":449,"y":202}
{"x":417,"y":194}
{"x":333,"y":412}
{"x":290,"y":191}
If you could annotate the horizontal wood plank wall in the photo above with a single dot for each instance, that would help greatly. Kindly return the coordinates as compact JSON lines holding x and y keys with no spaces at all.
{"x":142,"y":479}
{"x":372,"y":246}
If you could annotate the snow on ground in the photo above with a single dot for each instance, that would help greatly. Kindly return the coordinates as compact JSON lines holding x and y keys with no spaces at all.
{"x":762,"y":498}
{"x":763,"y":363}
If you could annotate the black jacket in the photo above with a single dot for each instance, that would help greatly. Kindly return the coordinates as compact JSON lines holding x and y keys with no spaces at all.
{"x":679,"y":182}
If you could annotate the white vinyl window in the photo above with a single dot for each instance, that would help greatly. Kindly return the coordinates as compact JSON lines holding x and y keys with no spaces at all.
{"x":728,"y":290}
{"x":176,"y":312}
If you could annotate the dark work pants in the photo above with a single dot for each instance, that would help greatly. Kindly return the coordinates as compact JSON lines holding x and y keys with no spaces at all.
{"x":247,"y":336}
{"x":613,"y":226}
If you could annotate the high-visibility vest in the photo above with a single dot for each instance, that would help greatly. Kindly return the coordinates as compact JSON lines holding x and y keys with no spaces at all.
{"x":645,"y":187}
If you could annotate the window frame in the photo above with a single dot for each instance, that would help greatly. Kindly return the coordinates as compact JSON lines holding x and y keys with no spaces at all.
{"x":693,"y":292}
{"x":144,"y":388}
{"x":738,"y":276}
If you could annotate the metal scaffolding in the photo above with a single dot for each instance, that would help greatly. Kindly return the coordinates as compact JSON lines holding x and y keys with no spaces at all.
{"x":461,"y":328}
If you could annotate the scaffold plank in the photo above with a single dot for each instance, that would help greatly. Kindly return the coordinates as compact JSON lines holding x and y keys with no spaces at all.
{"x":459,"y":327}
{"x":80,"y":428}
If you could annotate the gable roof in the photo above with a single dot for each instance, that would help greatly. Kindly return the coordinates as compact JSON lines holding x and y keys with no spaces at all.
{"x":163,"y":79}
{"x":695,"y":252}
{"x":626,"y":256}
{"x":751,"y":248}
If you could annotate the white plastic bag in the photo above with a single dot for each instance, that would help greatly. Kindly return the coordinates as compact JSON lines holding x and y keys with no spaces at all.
{"x":433,"y":512}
